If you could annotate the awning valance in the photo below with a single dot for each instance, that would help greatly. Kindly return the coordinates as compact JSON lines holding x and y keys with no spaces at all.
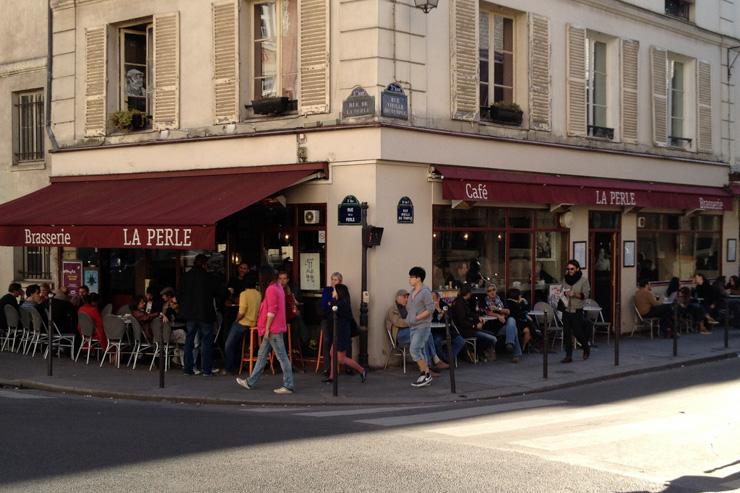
{"x":488,"y":185}
{"x":173,"y":210}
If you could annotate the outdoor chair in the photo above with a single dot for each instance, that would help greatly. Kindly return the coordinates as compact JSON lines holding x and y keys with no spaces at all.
{"x":87,"y":328}
{"x":162,"y":332}
{"x":107,"y":310}
{"x":549,"y":322}
{"x":644,"y":323}
{"x":596,"y":318}
{"x":124,"y":310}
{"x":396,"y":350}
{"x":14,"y":327}
{"x":115,"y":330}
{"x":27,"y":331}
{"x":140,"y":344}
{"x":62,"y":341}
{"x":39,"y":335}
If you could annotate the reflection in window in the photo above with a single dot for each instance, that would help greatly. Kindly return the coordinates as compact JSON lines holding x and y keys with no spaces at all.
{"x":275,"y":34}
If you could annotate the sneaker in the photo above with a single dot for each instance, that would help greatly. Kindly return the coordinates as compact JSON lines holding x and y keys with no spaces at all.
{"x":283,"y":390}
{"x":423,"y":380}
{"x":243,"y":382}
{"x":515,"y":359}
{"x":509,"y":348}
{"x":197,"y":372}
{"x":711,"y":320}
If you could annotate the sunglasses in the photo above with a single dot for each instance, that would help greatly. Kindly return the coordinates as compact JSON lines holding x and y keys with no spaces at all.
{"x":571,"y":269}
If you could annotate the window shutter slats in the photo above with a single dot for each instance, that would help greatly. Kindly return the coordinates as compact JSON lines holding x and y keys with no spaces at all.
{"x":95,"y":82}
{"x":576,"y":88}
{"x":314,"y":56}
{"x":658,"y":61}
{"x":166,"y":71}
{"x":225,"y":62}
{"x":539,"y":72}
{"x":630,"y":51}
{"x":704,"y":107}
{"x":464,"y":68}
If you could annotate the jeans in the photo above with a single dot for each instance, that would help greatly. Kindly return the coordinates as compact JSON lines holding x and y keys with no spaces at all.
{"x":205,"y":331}
{"x":485,"y":337}
{"x":278,"y":346}
{"x":458,"y":343}
{"x":403,"y":337}
{"x":231,"y":348}
{"x":419,"y":343}
{"x":510,"y":332}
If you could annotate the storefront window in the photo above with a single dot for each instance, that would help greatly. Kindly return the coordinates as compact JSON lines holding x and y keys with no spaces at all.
{"x":672,"y":245}
{"x":505,"y":248}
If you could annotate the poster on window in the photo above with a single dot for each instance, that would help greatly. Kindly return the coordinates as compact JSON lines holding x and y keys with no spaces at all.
{"x":72,"y":276}
{"x":310,"y":271}
{"x":91,"y":280}
{"x":545,"y":247}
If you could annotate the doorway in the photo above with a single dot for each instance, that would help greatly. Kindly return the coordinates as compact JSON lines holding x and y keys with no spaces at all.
{"x":603,"y":261}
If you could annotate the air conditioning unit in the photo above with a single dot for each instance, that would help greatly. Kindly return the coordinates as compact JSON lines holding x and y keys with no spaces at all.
{"x":311,"y":216}
{"x":641,"y":222}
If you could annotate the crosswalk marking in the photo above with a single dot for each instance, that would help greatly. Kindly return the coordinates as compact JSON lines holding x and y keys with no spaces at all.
{"x":459,"y":413}
{"x":12,"y":394}
{"x":354,"y":412}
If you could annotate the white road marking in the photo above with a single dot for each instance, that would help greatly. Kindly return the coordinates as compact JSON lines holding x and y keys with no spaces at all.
{"x":354,"y":412}
{"x":459,"y":413}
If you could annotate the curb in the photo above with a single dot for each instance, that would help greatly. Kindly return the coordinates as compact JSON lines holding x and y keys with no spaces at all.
{"x":110,"y":394}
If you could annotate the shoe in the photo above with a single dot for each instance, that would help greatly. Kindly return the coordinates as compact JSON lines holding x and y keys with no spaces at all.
{"x":327,"y":380}
{"x":283,"y":390}
{"x":423,"y":380}
{"x":215,"y":371}
{"x":243,"y":382}
{"x":325,"y":373}
{"x":509,"y":348}
{"x":567,"y":359}
{"x":223,"y":372}
{"x":208,"y":374}
{"x":188,"y":373}
{"x":442,"y":365}
{"x":197,"y":372}
{"x":586,"y":352}
{"x":705,"y":332}
{"x":711,"y":320}
{"x":363,"y":376}
{"x":515,"y":359}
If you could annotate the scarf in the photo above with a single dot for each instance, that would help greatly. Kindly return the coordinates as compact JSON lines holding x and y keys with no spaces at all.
{"x":572,"y":279}
{"x":402,"y":311}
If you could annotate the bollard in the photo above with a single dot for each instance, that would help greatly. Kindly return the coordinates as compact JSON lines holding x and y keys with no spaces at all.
{"x":675,"y":329}
{"x":617,"y":332}
{"x":545,"y":345}
{"x":50,"y":345}
{"x":450,"y":356}
{"x":160,"y":360}
{"x":727,"y":324}
{"x":335,"y":363}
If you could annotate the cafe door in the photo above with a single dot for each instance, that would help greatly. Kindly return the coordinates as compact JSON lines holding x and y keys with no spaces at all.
{"x":603,"y":261}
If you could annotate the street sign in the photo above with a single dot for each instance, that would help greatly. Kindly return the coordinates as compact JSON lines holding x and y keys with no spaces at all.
{"x":405,"y":211}
{"x":349,"y":212}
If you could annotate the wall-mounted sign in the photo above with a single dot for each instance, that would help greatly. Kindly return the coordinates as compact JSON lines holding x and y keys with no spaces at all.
{"x":72,"y":276}
{"x":394,"y":103}
{"x":405,"y":211}
{"x":359,"y":103}
{"x":310,"y":270}
{"x":350,"y":212}
{"x":91,"y":279}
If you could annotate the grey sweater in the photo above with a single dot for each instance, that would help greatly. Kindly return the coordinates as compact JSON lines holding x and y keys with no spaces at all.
{"x":417,"y":304}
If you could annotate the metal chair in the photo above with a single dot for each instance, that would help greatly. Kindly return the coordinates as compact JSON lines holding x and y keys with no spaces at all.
{"x":549,"y":322}
{"x":644,"y":323}
{"x":124,"y":310}
{"x":161,"y":332}
{"x":107,"y":310}
{"x":39,"y":335}
{"x":140,"y":344}
{"x":115,"y":330}
{"x":13,"y":321}
{"x":87,"y":328}
{"x":24,"y":344}
{"x":596,"y":318}
{"x":396,"y":350}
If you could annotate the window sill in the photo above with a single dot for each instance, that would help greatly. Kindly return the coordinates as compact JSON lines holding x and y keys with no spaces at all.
{"x":491,"y":123}
{"x":28,"y":165}
{"x":602,"y":139}
{"x":261,"y":118}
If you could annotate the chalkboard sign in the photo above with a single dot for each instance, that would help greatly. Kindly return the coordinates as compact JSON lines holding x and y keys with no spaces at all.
{"x":405,"y":211}
{"x":394,"y":103}
{"x":350,"y":212}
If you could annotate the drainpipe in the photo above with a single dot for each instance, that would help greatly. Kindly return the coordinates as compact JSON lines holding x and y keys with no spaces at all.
{"x":49,"y":76}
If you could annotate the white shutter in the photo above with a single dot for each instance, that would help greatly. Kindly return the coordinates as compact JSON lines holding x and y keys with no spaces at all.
{"x":576,"y":87}
{"x":630,"y":51}
{"x":314,"y":56}
{"x":166,"y":71}
{"x":226,"y":61}
{"x":658,"y":62}
{"x":464,"y":65}
{"x":704,"y":107}
{"x":539,"y":72}
{"x":95,"y":82}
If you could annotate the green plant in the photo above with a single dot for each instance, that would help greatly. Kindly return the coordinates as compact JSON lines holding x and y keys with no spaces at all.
{"x":128,"y":119}
{"x":502,"y":105}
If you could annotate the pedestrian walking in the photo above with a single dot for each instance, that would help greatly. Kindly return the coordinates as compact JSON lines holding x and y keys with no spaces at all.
{"x":326,"y":319}
{"x":575,"y":290}
{"x":420,"y":308}
{"x":345,"y":320}
{"x":271,"y":326}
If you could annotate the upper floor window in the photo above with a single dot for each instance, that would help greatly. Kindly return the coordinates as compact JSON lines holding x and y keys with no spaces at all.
{"x":678,"y":134}
{"x":678,"y":8}
{"x":136,"y":52}
{"x":596,"y":90}
{"x":274,"y":49}
{"x":28,"y":128}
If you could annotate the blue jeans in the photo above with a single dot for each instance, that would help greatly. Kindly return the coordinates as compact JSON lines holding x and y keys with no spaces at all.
{"x":458,"y":343}
{"x":278,"y":346}
{"x":511,"y":333}
{"x":231,"y":348}
{"x":205,"y":331}
{"x":403,"y":337}
{"x":485,"y":337}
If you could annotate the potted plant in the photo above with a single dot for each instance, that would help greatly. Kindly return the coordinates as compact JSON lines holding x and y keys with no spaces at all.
{"x":506,"y":113}
{"x":271,"y":106}
{"x":129,"y":120}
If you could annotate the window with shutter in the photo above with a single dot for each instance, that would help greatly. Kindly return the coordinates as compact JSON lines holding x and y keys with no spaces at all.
{"x":136,"y":59}
{"x":166,"y":71}
{"x":95,"y":82}
{"x":314,"y":56}
{"x":225,"y":17}
{"x":576,"y":87}
{"x":704,"y":107}
{"x":630,"y":50}
{"x":539,"y":72}
{"x":464,"y":59}
{"x":658,"y":61}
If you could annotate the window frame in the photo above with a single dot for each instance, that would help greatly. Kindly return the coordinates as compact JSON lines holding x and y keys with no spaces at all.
{"x":612,"y":86}
{"x":591,"y":74}
{"x":492,"y":12}
{"x":37,"y":141}
{"x":44,"y":262}
{"x":686,"y":141}
{"x":148,"y":33}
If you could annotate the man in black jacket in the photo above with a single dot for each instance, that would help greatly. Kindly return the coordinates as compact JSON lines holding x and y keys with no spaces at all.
{"x":14,"y":291}
{"x":199,"y":292}
{"x":469,"y":324}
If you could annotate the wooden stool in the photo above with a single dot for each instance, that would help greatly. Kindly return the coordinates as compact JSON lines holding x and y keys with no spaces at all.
{"x":251,"y":358}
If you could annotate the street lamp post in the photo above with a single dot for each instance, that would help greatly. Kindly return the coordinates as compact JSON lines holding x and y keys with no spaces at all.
{"x":426,"y":5}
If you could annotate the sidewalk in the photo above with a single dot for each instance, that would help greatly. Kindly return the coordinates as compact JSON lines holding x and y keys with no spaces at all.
{"x":482,"y":381}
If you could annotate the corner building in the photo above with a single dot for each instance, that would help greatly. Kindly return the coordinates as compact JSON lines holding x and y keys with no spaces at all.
{"x":523,"y":134}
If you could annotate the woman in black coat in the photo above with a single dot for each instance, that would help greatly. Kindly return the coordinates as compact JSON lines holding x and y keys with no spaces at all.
{"x":345,"y":320}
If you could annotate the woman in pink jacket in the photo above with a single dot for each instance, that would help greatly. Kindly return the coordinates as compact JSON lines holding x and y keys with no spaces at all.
{"x":271,"y":326}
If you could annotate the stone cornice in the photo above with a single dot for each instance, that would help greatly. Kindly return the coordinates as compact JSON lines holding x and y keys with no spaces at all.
{"x":20,"y":67}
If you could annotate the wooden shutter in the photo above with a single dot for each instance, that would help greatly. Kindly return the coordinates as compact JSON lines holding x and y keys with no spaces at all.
{"x":314,"y":56}
{"x":95,"y":82}
{"x":576,"y":87}
{"x":704,"y":107}
{"x":539,"y":72}
{"x":464,"y":65}
{"x":226,"y":62}
{"x":658,"y":62}
{"x":630,"y":50}
{"x":166,"y":71}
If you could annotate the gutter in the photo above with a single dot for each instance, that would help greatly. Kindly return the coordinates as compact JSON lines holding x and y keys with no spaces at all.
{"x":49,"y":76}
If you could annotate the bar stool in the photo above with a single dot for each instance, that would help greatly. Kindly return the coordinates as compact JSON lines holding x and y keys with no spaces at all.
{"x":251,"y":357}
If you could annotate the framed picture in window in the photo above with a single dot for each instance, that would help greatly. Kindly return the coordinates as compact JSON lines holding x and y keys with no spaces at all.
{"x":545,"y":250}
{"x":579,"y":253}
{"x":628,"y":253}
{"x":732,"y":250}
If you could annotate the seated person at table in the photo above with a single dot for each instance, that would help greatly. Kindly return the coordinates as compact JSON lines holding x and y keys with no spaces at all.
{"x":246,"y":317}
{"x":469,"y":324}
{"x":395,"y":321}
{"x":648,"y":306}
{"x":708,"y":296}
{"x":518,"y":308}
{"x":688,"y":309}
{"x":503,"y":324}
{"x":440,"y":333}
{"x":91,"y":309}
{"x":138,"y":311}
{"x":171,"y":314}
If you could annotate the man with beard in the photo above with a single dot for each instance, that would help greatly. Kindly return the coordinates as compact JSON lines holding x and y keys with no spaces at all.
{"x":575,"y":290}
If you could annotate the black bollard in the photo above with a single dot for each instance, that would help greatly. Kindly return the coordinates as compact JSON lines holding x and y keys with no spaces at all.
{"x":675,"y":329}
{"x":545,"y":345}
{"x":617,"y":331}
{"x":160,"y":361}
{"x":335,"y":363}
{"x":450,"y":356}
{"x":50,"y":345}
{"x":727,"y":324}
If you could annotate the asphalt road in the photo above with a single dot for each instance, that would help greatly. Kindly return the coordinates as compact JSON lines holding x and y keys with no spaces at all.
{"x":669,"y":431}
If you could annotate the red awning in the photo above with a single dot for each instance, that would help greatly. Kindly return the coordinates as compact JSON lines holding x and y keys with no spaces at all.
{"x":488,"y":185}
{"x":173,"y":210}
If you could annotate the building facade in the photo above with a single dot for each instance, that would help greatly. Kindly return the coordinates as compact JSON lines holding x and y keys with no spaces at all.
{"x":491,"y":140}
